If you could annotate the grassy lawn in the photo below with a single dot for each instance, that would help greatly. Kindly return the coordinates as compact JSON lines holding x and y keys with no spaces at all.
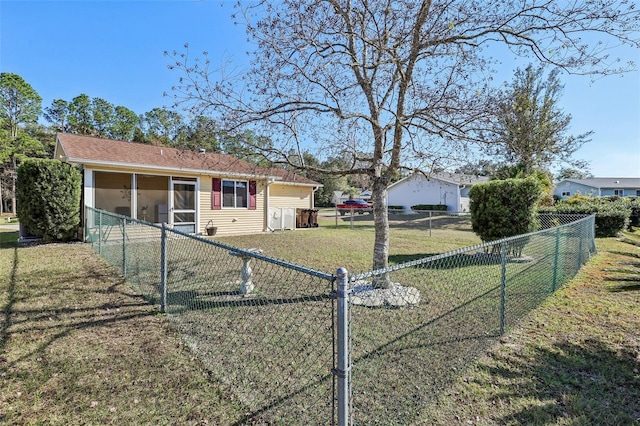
{"x":8,"y":218}
{"x":79,"y":346}
{"x":574,"y":360}
{"x":342,"y":246}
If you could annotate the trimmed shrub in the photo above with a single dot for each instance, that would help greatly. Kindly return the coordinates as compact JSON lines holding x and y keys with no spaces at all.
{"x":436,"y":207}
{"x":611,"y":219}
{"x":577,"y":199}
{"x":48,"y":199}
{"x":634,"y":205}
{"x":612,"y":213}
{"x":504,"y":208}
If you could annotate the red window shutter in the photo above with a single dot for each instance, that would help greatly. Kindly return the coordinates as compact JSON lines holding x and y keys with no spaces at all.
{"x":252,"y":194}
{"x":216,"y":194}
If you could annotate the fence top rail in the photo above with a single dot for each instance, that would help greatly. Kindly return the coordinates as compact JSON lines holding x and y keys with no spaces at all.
{"x":353,"y":277}
{"x":236,"y":250}
{"x":580,"y":215}
{"x":412,"y":263}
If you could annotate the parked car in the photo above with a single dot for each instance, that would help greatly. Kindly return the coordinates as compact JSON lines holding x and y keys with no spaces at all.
{"x":360,"y":206}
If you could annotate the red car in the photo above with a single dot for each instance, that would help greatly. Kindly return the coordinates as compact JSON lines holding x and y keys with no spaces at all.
{"x":360,"y":206}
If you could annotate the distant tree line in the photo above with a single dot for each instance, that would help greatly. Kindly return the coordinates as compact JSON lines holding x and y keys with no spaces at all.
{"x":22,"y":135}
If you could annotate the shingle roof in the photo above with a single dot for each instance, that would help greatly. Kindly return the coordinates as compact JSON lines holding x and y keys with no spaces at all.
{"x":287,"y":176}
{"x":98,"y":151}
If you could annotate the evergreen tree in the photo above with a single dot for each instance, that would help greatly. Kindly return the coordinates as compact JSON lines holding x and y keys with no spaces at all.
{"x":531,"y":131}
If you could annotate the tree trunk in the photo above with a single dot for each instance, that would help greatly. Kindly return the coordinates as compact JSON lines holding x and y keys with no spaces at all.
{"x":13,"y":197}
{"x":14,"y":177}
{"x":381,"y":221}
{"x":1,"y":199}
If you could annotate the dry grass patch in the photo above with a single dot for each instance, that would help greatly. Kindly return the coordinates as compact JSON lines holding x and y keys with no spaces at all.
{"x":79,"y":346}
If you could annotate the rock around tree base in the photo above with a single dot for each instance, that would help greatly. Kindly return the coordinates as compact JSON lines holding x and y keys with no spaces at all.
{"x":364,"y":294}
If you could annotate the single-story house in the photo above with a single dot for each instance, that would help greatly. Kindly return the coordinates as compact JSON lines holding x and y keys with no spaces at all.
{"x":449,"y":189}
{"x":188,"y":190}
{"x":598,"y":187}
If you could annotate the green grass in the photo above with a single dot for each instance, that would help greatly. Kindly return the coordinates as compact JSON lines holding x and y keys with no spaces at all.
{"x":5,"y":217}
{"x":575,"y":360}
{"x":79,"y":345}
{"x":328,"y":247}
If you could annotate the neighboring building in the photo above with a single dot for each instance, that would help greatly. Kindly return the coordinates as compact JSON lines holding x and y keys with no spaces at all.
{"x":598,"y":187}
{"x":183,"y":188}
{"x":449,"y":189}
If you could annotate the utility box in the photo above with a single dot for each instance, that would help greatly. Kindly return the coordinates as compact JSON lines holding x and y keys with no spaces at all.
{"x":281,"y":219}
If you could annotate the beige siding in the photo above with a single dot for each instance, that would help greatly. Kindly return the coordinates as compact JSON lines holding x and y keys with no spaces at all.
{"x":289,"y":196}
{"x":238,"y":221}
{"x":231,"y":221}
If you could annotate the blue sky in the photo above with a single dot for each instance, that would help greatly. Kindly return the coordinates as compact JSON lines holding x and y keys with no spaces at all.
{"x":114,"y":50}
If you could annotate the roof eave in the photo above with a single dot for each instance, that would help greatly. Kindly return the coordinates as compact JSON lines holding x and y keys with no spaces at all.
{"x":285,"y":182}
{"x":148,"y":167}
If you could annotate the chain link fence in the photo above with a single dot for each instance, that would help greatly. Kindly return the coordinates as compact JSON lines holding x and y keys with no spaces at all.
{"x":409,"y":342}
{"x":263,"y":328}
{"x":266,"y":329}
{"x":439,"y":220}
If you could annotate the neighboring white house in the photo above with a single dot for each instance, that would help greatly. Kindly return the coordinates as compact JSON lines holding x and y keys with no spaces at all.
{"x":340,"y":197}
{"x":449,"y":189}
{"x":598,"y":187}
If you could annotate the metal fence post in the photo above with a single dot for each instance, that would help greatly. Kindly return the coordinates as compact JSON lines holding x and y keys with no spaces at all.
{"x":592,"y":233}
{"x":163,"y":268}
{"x":100,"y":232}
{"x":85,"y":226}
{"x":124,"y":248}
{"x":555,"y":262}
{"x":503,"y":285}
{"x":579,"y":251}
{"x":343,"y":369}
{"x":430,"y":218}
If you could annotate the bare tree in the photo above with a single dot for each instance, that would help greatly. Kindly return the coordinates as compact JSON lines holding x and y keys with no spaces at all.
{"x":406,"y":82}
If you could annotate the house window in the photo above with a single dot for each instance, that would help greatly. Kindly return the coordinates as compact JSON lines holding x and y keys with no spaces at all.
{"x":234,"y":193}
{"x":618,"y":192}
{"x":566,"y":193}
{"x":637,"y":192}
